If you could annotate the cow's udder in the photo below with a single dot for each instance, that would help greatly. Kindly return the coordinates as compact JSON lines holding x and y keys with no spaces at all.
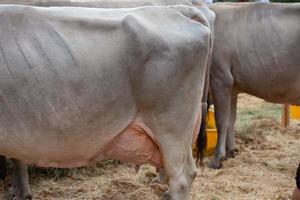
{"x":135,"y":145}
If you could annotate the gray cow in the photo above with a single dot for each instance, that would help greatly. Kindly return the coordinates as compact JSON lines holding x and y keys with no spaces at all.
{"x":20,"y":175}
{"x":210,"y":16}
{"x":256,"y":51}
{"x":80,"y":85}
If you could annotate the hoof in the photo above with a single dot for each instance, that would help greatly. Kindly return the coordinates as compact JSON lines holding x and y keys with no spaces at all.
{"x":157,"y":180}
{"x":215,"y":164}
{"x":166,"y":196}
{"x":28,"y":197}
{"x":25,"y":197}
{"x":160,"y":178}
{"x":232,"y":153}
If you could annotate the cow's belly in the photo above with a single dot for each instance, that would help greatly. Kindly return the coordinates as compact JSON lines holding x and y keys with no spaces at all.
{"x":135,"y":144}
{"x":276,"y":84}
{"x":282,"y":93}
{"x":289,"y":96}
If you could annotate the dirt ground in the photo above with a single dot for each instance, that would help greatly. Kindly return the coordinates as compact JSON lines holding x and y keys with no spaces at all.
{"x":264,"y":168}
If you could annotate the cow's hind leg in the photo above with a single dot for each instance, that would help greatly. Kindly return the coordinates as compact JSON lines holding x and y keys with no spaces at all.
{"x":175,"y":144}
{"x":222,"y":93}
{"x":2,"y":168}
{"x":20,"y":184}
{"x":180,"y":171}
{"x":231,"y":149}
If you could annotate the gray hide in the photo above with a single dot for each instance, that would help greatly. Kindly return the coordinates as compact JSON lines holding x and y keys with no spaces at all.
{"x":74,"y":78}
{"x":256,"y":51}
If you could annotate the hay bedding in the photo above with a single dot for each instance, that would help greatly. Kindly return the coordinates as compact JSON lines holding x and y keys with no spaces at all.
{"x":264,"y":169}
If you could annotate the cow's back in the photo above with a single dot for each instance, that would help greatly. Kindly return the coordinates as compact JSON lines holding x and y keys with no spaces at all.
{"x":97,"y":3}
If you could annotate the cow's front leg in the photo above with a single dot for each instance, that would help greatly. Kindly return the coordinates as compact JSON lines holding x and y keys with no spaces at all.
{"x":231,"y":149}
{"x":222,"y":92}
{"x":20,"y":184}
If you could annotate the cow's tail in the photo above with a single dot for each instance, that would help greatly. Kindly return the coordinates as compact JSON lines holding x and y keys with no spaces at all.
{"x":298,"y":177}
{"x":2,"y":168}
{"x":202,"y":137}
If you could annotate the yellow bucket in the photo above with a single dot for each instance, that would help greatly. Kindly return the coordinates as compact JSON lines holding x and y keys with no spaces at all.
{"x":210,"y":120}
{"x":295,"y":112}
{"x":212,"y":138}
{"x":212,"y":134}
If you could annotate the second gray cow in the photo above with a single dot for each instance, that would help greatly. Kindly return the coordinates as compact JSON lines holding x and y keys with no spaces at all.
{"x":256,"y":51}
